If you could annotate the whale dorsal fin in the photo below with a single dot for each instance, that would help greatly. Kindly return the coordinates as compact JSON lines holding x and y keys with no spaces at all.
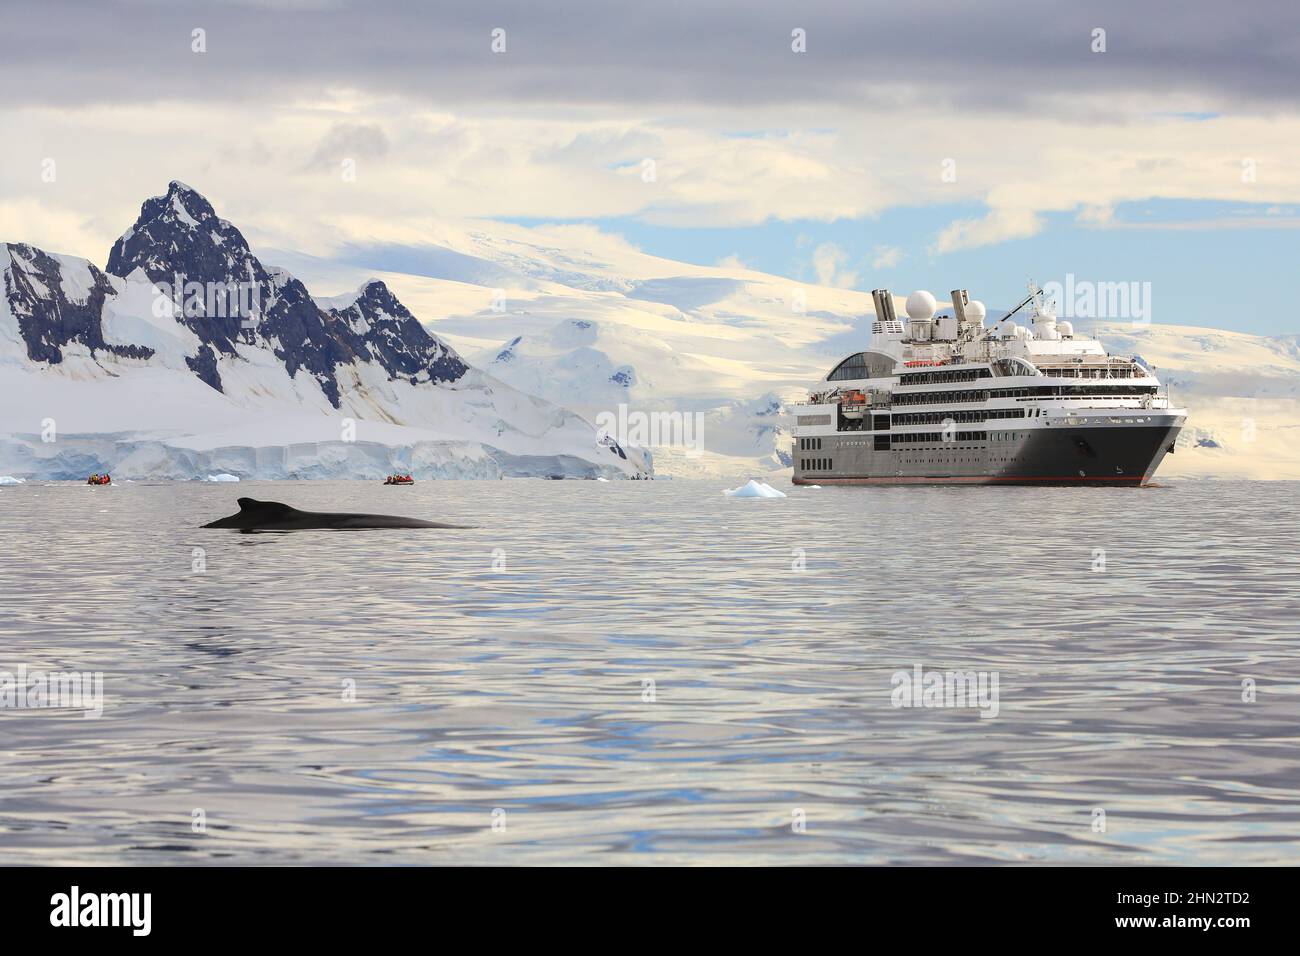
{"x":253,"y":506}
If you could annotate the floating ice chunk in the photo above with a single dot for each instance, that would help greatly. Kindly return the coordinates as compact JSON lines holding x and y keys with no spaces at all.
{"x":10,"y":480}
{"x":221,"y":477}
{"x":754,"y":489}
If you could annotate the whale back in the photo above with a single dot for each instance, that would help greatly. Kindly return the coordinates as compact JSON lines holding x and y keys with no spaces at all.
{"x":254,"y":508}
{"x":255,"y":515}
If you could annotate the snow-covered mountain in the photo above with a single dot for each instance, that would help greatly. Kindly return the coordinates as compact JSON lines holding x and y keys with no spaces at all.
{"x":189,"y":356}
{"x":578,"y":318}
{"x":584,"y":319}
{"x":587,"y":320}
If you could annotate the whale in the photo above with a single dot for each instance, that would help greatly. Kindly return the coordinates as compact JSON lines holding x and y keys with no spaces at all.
{"x":254,"y":515}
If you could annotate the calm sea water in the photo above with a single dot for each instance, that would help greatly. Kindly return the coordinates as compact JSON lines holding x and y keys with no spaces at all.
{"x":503,"y":708}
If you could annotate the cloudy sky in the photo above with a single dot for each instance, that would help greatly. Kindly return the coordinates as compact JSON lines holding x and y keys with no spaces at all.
{"x":968,"y":142}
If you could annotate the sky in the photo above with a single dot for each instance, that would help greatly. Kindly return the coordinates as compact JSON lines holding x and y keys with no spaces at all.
{"x":858,"y":144}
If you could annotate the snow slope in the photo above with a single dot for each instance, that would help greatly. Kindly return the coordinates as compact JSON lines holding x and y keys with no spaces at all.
{"x":585,"y":319}
{"x":103,"y":371}
{"x":546,"y":322}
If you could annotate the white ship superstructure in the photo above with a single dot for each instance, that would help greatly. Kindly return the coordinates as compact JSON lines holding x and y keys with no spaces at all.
{"x":944,"y":399}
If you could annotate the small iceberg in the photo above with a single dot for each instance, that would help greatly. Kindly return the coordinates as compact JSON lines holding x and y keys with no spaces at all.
{"x":754,"y":489}
{"x":11,"y":480}
{"x":222,"y":477}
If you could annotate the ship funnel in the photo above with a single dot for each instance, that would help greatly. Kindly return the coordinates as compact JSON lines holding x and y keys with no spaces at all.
{"x":959,"y":302}
{"x":884,"y":305}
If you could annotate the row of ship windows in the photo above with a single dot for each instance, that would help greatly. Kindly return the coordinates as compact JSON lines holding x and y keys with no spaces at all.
{"x":937,"y":418}
{"x":816,"y":464}
{"x":910,"y":437}
{"x":965,"y":395}
{"x":810,"y":444}
{"x":927,"y":378}
{"x":884,"y":442}
{"x":1055,"y":391}
{"x":970,"y":375}
{"x":905,"y":438}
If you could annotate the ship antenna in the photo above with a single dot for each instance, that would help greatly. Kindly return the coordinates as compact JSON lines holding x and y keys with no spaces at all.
{"x":1029,"y":298}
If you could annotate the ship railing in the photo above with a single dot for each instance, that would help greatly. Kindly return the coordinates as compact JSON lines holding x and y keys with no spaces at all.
{"x":874,"y":398}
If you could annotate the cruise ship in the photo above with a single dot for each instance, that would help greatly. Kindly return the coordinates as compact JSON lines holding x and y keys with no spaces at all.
{"x":946,"y":400}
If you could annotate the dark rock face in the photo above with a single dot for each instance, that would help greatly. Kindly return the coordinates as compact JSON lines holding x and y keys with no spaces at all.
{"x":228,"y":296}
{"x":179,"y":240}
{"x":393,"y":337}
{"x":52,"y":313}
{"x":507,"y":354}
{"x":204,"y":365}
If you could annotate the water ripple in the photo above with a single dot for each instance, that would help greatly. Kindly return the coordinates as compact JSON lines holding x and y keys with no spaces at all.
{"x":502,"y":675}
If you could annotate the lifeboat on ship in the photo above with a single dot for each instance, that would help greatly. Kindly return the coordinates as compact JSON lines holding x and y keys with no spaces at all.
{"x":853,"y":404}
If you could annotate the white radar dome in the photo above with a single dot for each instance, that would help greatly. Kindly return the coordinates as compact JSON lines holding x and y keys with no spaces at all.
{"x":975,"y":310}
{"x":921,"y":305}
{"x":1065,"y":328}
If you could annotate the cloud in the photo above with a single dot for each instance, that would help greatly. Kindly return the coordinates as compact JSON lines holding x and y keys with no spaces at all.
{"x":828,"y":263}
{"x":558,"y":127}
{"x":49,"y":228}
{"x":440,"y":165}
{"x":950,"y":54}
{"x":886,"y":257}
{"x":348,"y":141}
{"x":1096,"y":215}
{"x":998,"y":226}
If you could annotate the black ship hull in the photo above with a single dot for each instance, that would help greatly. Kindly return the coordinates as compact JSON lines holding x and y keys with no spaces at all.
{"x":1107,"y":455}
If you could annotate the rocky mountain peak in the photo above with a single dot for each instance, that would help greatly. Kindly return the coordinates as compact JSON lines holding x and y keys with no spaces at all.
{"x":221,"y":292}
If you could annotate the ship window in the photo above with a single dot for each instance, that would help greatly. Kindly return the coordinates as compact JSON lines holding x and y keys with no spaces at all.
{"x":862,"y":365}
